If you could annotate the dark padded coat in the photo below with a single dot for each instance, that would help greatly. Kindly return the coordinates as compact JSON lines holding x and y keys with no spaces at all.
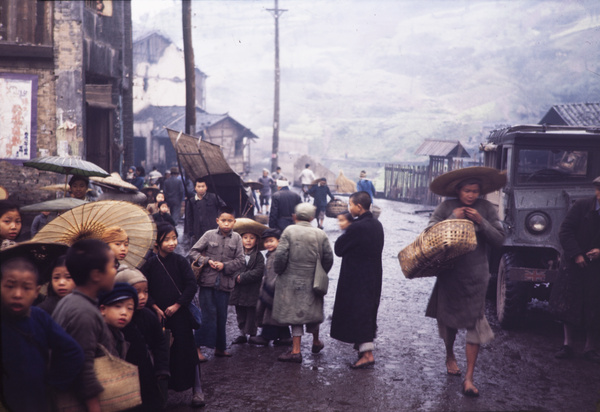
{"x":358,"y":291}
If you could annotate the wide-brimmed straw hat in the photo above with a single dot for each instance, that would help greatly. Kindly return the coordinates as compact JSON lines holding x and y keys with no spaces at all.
{"x":245,"y":225}
{"x":41,"y":254}
{"x":490,"y":179}
{"x":114,"y":181}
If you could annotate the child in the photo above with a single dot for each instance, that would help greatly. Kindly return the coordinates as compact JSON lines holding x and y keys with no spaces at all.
{"x":10,"y":223}
{"x":61,"y":284}
{"x":247,"y":283}
{"x":221,"y":254}
{"x":163,"y":214}
{"x":271,"y":330}
{"x":117,"y":308}
{"x":118,"y":241}
{"x":92,"y":265}
{"x":39,"y":222}
{"x":153,"y":207}
{"x":148,"y":349}
{"x":344,"y":220}
{"x":36,"y":352}
{"x":172,"y":286}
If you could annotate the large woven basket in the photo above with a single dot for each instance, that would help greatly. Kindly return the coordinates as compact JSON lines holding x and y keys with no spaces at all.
{"x":336,"y":207}
{"x":436,"y":247}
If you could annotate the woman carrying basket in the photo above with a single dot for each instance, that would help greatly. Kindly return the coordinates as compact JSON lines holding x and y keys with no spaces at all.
{"x":458,"y":297}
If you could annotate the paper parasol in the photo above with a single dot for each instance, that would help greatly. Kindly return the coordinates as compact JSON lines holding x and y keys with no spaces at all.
{"x":92,"y":219}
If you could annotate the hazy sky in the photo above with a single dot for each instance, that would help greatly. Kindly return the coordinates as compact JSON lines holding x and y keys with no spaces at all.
{"x":348,"y":64}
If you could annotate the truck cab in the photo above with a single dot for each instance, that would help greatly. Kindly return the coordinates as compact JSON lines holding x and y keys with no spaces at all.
{"x":548,"y":168}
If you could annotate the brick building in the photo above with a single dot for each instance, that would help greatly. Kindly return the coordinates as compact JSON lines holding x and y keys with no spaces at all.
{"x":65,"y":78}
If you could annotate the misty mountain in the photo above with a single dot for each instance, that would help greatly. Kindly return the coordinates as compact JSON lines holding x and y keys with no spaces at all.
{"x":372,"y":79}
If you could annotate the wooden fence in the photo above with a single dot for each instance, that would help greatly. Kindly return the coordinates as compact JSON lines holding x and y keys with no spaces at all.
{"x":410,"y":183}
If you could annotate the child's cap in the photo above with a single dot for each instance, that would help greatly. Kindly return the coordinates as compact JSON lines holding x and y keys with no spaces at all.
{"x":121,"y":291}
{"x":130,"y":276}
{"x":271,"y":232}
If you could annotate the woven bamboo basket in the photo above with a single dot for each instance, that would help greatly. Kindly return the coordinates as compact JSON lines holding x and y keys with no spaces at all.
{"x":436,"y":248}
{"x":336,"y":207}
{"x":376,"y":210}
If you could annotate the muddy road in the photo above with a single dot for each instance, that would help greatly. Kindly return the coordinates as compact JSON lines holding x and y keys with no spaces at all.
{"x":516,"y":371}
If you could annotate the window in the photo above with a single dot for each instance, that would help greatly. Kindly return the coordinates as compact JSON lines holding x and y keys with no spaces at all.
{"x":26,"y":22}
{"x":101,"y":7}
{"x":539,"y":165}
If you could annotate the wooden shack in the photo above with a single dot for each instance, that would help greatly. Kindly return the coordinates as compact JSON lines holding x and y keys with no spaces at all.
{"x":410,"y":183}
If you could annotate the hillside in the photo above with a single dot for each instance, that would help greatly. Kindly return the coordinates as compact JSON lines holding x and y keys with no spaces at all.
{"x":373,"y":79}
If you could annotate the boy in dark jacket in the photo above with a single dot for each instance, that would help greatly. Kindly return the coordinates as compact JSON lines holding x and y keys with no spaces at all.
{"x":163,"y":214}
{"x":92,"y":265}
{"x":271,"y":330}
{"x":247,"y":283}
{"x":36,"y":352}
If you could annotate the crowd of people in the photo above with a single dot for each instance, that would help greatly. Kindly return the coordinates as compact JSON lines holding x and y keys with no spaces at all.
{"x":61,"y":307}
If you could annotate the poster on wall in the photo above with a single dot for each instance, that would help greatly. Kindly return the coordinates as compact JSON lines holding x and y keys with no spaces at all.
{"x":18,"y":117}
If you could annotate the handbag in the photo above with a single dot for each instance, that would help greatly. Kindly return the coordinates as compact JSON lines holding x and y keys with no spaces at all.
{"x":120,"y":381}
{"x":194,"y":311}
{"x":321,"y":280}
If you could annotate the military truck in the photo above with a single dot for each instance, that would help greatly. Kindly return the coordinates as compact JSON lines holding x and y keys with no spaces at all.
{"x":548,"y":169}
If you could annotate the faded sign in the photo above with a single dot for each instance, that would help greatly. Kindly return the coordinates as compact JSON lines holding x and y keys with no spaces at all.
{"x":18,"y":116}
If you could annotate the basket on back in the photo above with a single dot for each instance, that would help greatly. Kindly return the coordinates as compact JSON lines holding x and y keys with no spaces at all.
{"x":436,"y":247}
{"x":336,"y":207}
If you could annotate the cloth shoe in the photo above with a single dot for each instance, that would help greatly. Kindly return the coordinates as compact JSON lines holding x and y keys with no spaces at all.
{"x":592,"y":356}
{"x":565,"y":352}
{"x":290,"y":357}
{"x":283,"y":342}
{"x":239,"y":340}
{"x":258,"y":340}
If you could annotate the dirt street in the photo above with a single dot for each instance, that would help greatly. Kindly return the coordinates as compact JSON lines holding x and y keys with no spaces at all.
{"x":516,"y":371}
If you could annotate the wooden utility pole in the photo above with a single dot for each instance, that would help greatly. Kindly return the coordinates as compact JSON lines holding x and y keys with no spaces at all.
{"x":276,"y":12}
{"x":190,"y":70}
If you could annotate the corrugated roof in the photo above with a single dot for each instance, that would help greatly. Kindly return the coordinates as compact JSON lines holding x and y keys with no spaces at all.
{"x":442,"y":148}
{"x":173,"y":117}
{"x":573,"y":114}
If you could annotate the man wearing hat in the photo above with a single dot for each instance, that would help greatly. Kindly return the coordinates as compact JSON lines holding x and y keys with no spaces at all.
{"x":295,"y":303}
{"x":174,"y":193}
{"x":575,"y":295}
{"x":282,"y":206}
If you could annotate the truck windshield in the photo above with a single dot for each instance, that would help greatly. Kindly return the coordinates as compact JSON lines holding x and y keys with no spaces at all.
{"x":545,"y":165}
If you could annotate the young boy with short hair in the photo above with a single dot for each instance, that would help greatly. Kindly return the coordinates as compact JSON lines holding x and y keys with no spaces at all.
{"x":163,"y":214}
{"x":201,"y":211}
{"x":221,"y":253}
{"x":271,"y":330}
{"x":36,"y":352}
{"x":93,"y":266}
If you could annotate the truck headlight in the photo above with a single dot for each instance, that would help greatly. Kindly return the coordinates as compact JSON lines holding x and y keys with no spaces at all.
{"x":537,"y":223}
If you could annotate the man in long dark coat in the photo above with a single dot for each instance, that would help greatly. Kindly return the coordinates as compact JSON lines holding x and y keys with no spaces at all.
{"x":283,"y":204}
{"x":575,"y":295}
{"x":359,"y":286}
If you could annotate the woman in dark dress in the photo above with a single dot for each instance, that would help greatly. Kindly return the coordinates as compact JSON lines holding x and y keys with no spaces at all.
{"x":171,"y":286}
{"x":458,"y":297}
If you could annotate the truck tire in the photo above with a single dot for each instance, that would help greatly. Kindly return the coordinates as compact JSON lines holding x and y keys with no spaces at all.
{"x":511,"y":296}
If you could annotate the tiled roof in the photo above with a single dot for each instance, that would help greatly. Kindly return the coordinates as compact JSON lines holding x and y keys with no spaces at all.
{"x":442,"y":148}
{"x":173,"y":117}
{"x":573,"y":114}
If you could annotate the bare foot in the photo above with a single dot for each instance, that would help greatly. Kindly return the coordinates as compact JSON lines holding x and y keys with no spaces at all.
{"x":469,"y":389}
{"x":201,"y":357}
{"x":222,"y":354}
{"x":452,"y":367}
{"x":365,"y":361}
